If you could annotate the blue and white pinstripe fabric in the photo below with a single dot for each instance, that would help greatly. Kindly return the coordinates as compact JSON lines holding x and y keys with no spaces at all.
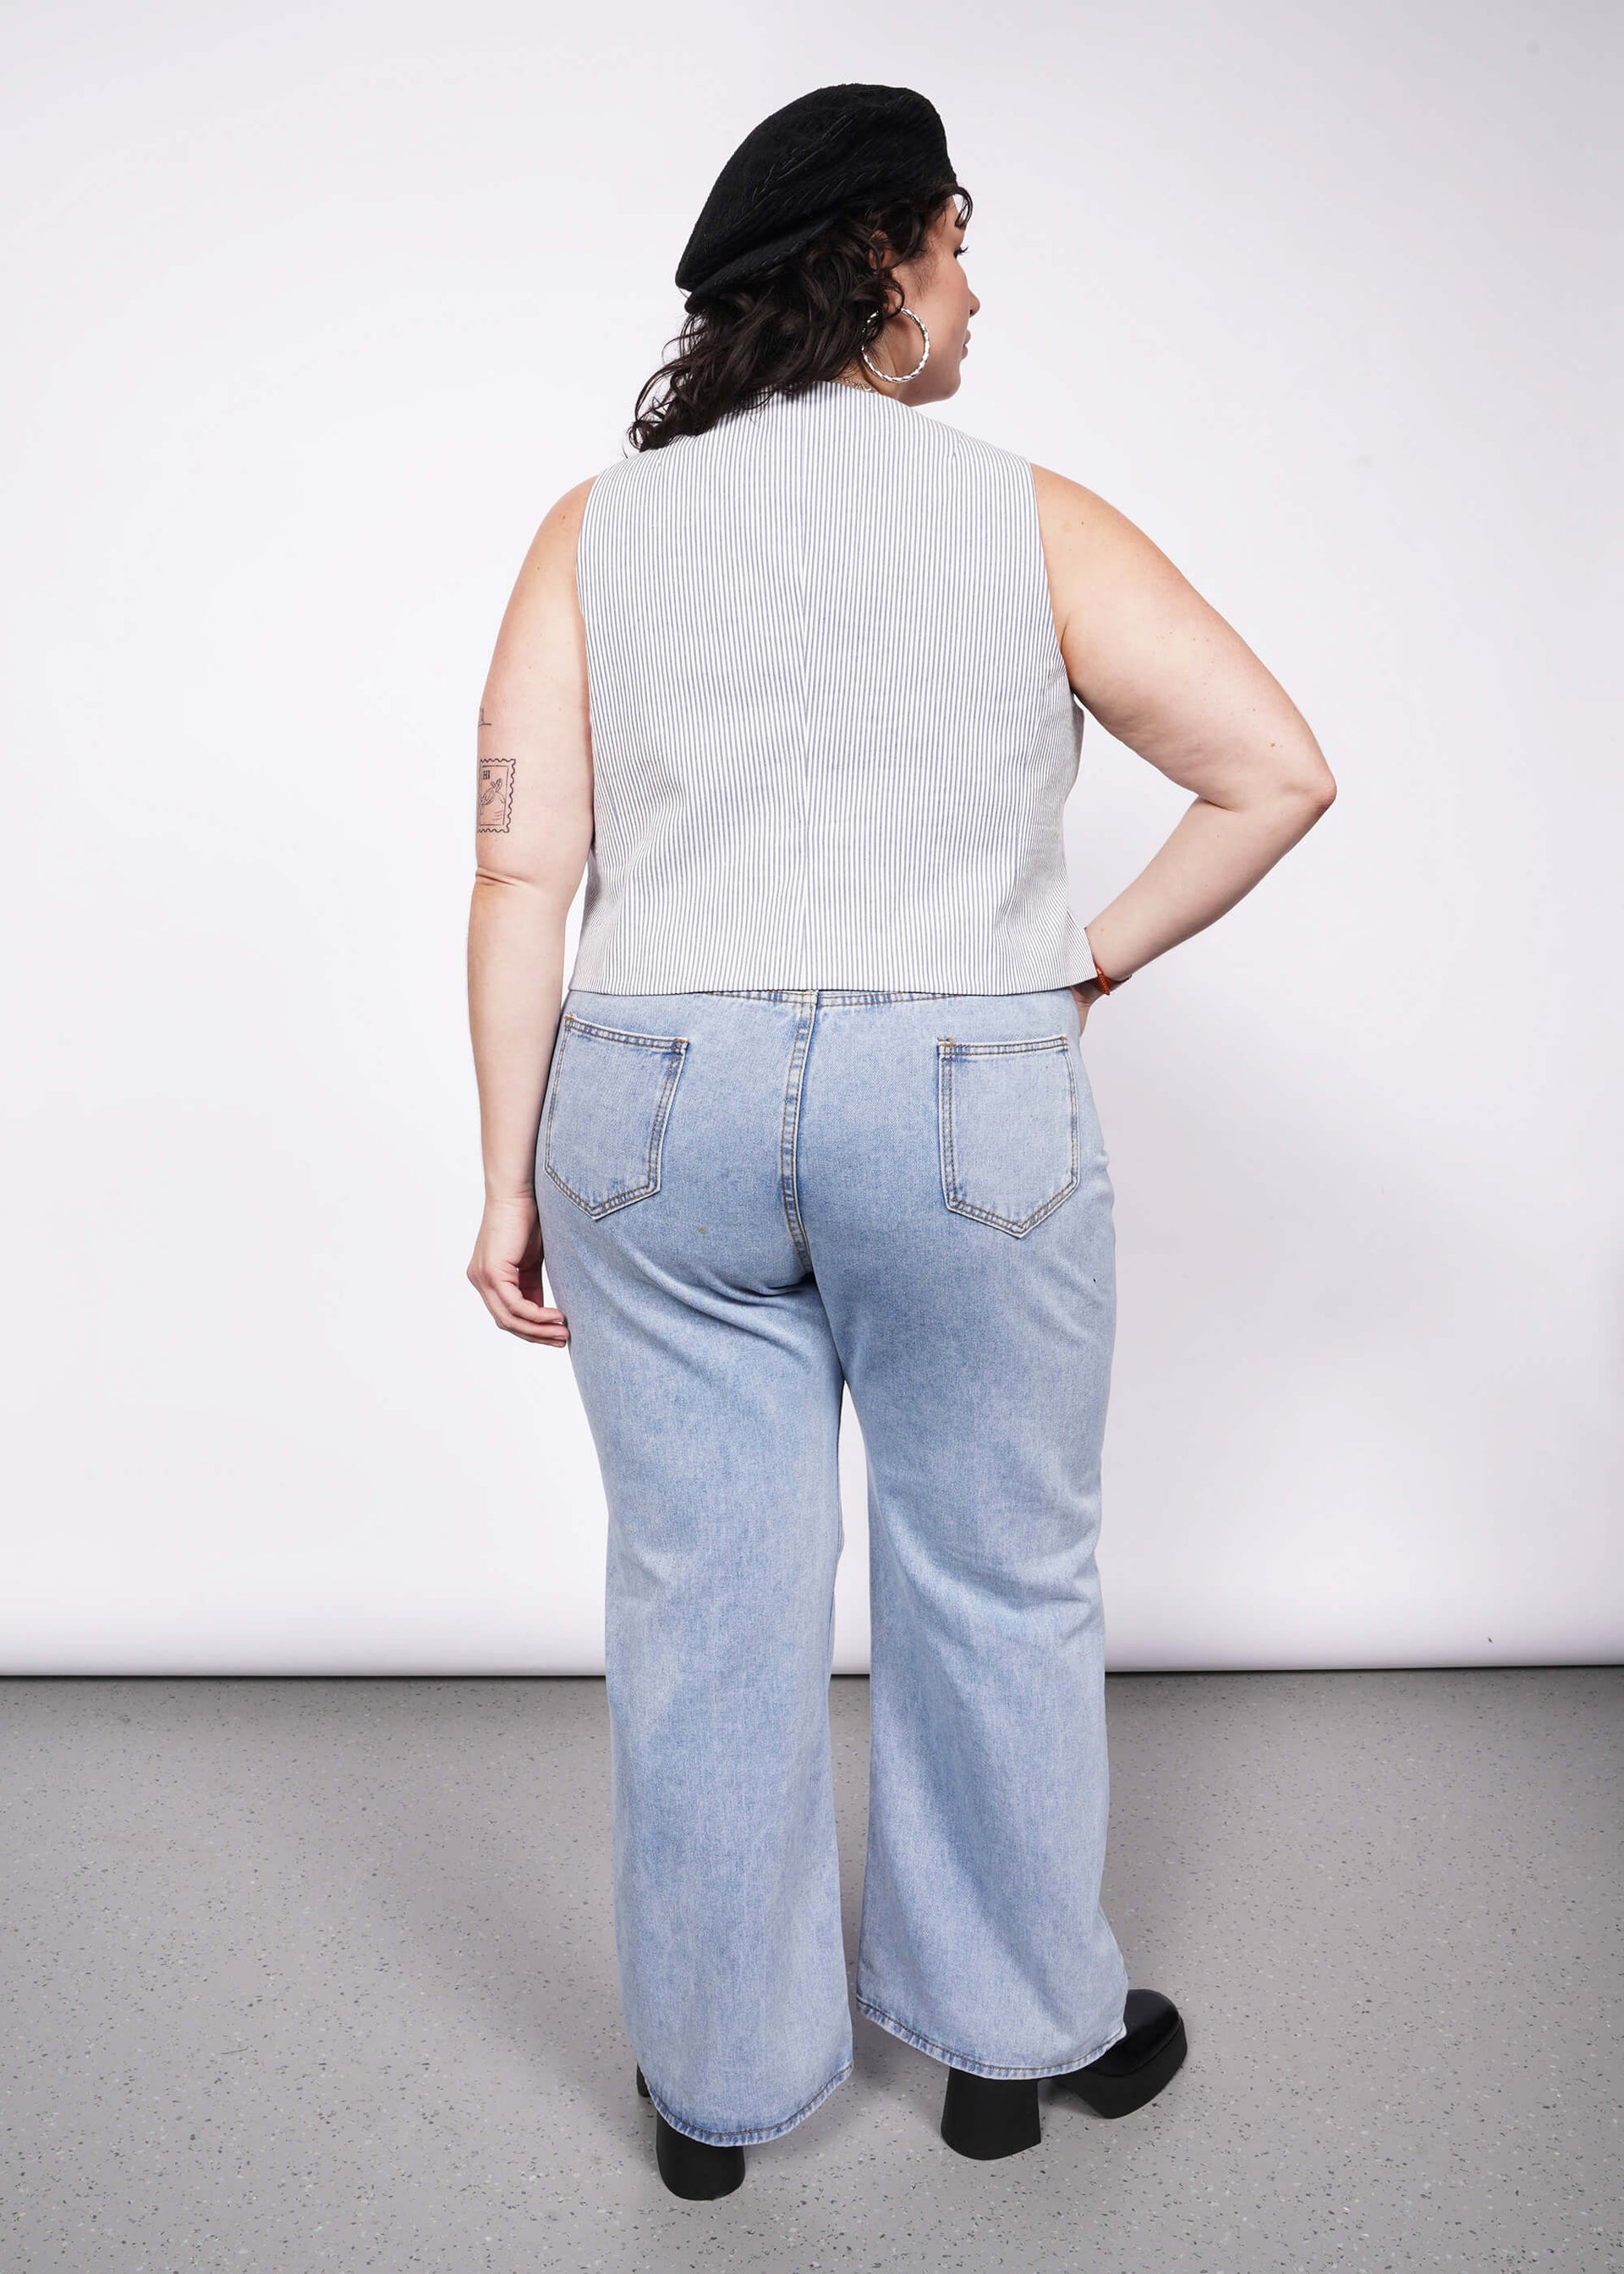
{"x":832,"y":735}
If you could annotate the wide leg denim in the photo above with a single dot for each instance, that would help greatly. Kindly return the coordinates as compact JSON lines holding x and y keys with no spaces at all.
{"x":747,"y":1199}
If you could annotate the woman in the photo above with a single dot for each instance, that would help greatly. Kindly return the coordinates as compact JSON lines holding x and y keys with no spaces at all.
{"x":798,"y":684}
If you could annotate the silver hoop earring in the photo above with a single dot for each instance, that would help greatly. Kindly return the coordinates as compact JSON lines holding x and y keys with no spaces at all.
{"x":897,"y":378}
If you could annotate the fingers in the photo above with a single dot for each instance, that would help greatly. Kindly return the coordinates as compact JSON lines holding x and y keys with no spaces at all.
{"x":544,"y":1337}
{"x":505,"y":1273}
{"x":545,"y":1327}
{"x":518,"y":1305}
{"x":517,"y":1313}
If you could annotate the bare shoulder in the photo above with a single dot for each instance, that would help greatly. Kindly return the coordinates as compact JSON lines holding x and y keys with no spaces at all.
{"x":1062,"y":502}
{"x":1087,"y":542}
{"x":1110,"y":584}
{"x":552,"y":548}
{"x":1154,"y":661}
{"x":568,"y":512}
{"x":543,"y":615}
{"x":544,"y":595}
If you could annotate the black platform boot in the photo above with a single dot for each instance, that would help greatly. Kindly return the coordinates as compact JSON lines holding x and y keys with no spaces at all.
{"x":696,"y":2170}
{"x":987,"y":2117}
{"x":991,"y":2116}
{"x":1138,"y":2065}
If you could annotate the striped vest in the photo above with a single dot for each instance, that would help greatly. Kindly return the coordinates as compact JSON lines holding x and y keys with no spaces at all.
{"x":832,"y":735}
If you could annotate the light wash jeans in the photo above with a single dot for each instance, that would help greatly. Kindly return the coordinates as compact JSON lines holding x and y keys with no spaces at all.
{"x":747,"y":1198}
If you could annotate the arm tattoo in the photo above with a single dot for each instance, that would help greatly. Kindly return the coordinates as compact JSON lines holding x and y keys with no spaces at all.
{"x":495,"y":793}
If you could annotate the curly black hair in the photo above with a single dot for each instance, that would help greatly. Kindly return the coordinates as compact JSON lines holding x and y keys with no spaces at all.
{"x":801,"y":320}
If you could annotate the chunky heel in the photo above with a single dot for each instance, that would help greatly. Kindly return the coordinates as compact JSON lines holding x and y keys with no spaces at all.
{"x":1147,"y":2055}
{"x":696,"y":2170}
{"x":986,"y":2117}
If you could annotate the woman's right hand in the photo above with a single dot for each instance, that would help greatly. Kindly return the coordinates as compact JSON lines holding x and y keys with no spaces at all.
{"x":507,"y":1271}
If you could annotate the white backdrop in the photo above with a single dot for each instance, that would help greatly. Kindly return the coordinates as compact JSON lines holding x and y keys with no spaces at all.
{"x":316,"y":312}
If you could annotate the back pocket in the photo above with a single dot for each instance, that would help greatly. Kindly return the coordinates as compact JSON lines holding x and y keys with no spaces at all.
{"x":612,"y":1093}
{"x":1008,"y":1117}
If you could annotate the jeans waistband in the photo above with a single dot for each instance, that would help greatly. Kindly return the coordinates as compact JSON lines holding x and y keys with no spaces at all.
{"x":834,"y":994}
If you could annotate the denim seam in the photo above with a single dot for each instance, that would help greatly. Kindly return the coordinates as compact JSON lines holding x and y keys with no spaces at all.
{"x":958,"y":1050}
{"x":625,"y":1035}
{"x":947,"y":1051}
{"x":825,"y":995}
{"x":677,"y":1046}
{"x":983,"y":2069}
{"x":762,"y":2133}
{"x":790,"y":1131}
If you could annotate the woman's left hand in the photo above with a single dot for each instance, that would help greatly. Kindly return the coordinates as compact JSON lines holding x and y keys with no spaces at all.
{"x":1084,"y":993}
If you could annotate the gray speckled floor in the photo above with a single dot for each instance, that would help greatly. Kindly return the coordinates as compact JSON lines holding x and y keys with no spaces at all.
{"x":311,"y":1973}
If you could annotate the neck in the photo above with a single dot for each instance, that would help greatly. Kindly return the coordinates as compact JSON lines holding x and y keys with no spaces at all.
{"x":854,"y":375}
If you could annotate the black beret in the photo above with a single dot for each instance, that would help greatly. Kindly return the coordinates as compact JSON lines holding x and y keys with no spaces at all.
{"x":802,"y":167}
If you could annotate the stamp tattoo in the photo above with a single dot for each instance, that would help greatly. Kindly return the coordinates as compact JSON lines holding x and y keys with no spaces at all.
{"x":495,"y":793}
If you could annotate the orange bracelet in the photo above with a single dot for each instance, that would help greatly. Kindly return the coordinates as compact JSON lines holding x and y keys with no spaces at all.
{"x":1106,"y":984}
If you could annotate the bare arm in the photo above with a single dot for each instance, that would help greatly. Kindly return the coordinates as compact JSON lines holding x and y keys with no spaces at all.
{"x":533,"y":830}
{"x":1164,"y":673}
